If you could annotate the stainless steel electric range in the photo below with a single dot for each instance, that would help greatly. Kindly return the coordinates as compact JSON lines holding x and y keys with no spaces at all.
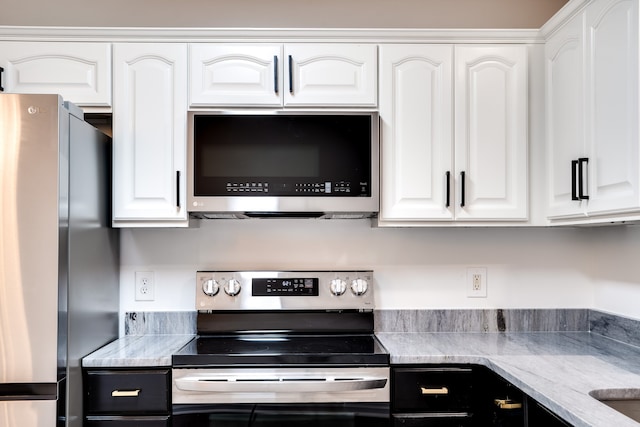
{"x":282,"y":348}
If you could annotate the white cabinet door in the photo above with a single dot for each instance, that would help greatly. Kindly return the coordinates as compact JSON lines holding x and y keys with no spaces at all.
{"x":264,"y":75}
{"x":612,"y":106}
{"x":330,"y":75}
{"x":80,"y":72}
{"x":491,"y":132}
{"x":592,"y":114}
{"x":235,"y":75}
{"x":564,"y":72}
{"x":416,"y":132}
{"x":149,"y":133}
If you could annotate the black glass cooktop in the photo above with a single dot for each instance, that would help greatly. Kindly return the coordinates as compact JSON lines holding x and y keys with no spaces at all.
{"x":279,"y":350}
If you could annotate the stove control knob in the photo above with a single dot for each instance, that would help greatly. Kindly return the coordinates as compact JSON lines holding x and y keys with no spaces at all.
{"x":210,"y":287}
{"x":232,"y":288}
{"x":337,"y":287}
{"x":359,"y":286}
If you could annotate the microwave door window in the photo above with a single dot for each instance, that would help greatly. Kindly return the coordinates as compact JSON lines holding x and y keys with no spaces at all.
{"x":286,"y":154}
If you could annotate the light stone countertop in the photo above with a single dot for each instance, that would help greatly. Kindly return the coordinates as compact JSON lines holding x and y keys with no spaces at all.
{"x":558,"y":369}
{"x":137,"y":351}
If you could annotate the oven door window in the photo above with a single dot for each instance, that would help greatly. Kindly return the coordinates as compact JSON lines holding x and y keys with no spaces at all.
{"x":283,"y":415}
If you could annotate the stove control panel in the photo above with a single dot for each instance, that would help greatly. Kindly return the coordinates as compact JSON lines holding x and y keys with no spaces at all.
{"x":286,"y":290}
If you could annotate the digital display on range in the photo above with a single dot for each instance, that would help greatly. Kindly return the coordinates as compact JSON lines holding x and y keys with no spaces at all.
{"x":305,"y":286}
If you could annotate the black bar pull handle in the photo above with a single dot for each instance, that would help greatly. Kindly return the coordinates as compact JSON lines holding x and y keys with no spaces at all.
{"x":462,"y":189}
{"x":178,"y":189}
{"x":275,"y":73}
{"x":448,"y":188}
{"x":1,"y":71}
{"x":574,"y":180}
{"x":290,"y":74}
{"x":582,"y":162}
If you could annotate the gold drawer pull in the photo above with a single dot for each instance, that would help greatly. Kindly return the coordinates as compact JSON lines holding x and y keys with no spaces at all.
{"x":507,"y":404}
{"x":125,"y":393}
{"x":434,"y":391}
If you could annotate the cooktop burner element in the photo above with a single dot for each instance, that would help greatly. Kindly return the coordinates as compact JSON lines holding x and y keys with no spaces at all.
{"x":258,"y":350}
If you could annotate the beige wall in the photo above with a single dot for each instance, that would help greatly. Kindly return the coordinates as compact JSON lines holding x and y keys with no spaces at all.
{"x":281,"y":13}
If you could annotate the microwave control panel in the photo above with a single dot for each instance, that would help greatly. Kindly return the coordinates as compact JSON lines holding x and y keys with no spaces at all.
{"x":336,"y":188}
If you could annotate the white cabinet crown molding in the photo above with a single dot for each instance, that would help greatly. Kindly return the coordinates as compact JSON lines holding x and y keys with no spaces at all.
{"x":270,"y":35}
{"x":561,"y":17}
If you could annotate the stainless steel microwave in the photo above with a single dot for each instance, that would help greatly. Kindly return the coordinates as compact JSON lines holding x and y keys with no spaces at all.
{"x":283,"y":164}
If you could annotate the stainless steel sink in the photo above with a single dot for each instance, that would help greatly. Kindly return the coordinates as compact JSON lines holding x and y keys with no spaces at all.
{"x":624,"y":400}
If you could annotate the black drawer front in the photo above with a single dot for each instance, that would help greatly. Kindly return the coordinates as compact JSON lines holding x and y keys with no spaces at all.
{"x":127,"y":392}
{"x":432,"y":420}
{"x":427,"y":389}
{"x":127,"y":422}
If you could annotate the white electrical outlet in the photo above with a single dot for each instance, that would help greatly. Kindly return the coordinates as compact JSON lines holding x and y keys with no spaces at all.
{"x":145,"y":289}
{"x":476,"y":282}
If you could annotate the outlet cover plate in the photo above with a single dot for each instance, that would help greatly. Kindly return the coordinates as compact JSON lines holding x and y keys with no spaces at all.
{"x":476,"y":282}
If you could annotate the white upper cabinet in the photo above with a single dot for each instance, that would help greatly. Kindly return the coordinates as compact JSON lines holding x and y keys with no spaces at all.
{"x":149,"y":134}
{"x":491,"y":117}
{"x":592,"y":114}
{"x":565,"y":116}
{"x":612,"y":106}
{"x":342,"y":75}
{"x":235,"y":74}
{"x":80,"y":72}
{"x":447,"y":157}
{"x":330,"y":75}
{"x":416,"y":132}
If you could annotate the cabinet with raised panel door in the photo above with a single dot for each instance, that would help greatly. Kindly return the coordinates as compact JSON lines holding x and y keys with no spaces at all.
{"x":592,"y":114}
{"x":275,"y":75}
{"x":127,"y":397}
{"x":79,"y":72}
{"x":454,"y":133}
{"x":149,"y":133}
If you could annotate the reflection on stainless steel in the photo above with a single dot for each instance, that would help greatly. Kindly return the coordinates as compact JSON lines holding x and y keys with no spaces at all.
{"x":58,"y":257}
{"x":318,"y":385}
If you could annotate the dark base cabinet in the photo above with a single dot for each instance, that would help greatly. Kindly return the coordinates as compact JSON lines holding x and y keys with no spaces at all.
{"x":435,"y":395}
{"x":432,"y":420}
{"x":538,"y":415}
{"x":462,"y":396}
{"x":127,"y":397}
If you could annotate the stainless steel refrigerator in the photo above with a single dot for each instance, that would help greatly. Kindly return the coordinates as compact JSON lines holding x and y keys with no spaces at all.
{"x":59,"y":258}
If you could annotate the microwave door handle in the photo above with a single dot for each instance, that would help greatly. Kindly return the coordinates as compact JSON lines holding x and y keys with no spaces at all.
{"x":293,"y":385}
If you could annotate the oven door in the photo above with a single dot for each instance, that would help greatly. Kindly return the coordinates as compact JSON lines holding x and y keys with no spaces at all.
{"x":287,"y":397}
{"x":374,"y":414}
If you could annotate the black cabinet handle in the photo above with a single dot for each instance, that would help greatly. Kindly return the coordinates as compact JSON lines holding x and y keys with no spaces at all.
{"x":574,"y":180}
{"x":582,"y":162}
{"x":448,"y":188}
{"x":290,"y":74}
{"x":275,"y":73}
{"x":1,"y":71}
{"x":462,"y":189}
{"x":178,"y":189}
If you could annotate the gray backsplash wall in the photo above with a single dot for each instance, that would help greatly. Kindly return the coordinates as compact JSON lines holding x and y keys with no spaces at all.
{"x":494,"y":320}
{"x":160,"y":323}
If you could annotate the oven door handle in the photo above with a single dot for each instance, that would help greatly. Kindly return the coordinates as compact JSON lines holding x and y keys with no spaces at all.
{"x":274,"y":384}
